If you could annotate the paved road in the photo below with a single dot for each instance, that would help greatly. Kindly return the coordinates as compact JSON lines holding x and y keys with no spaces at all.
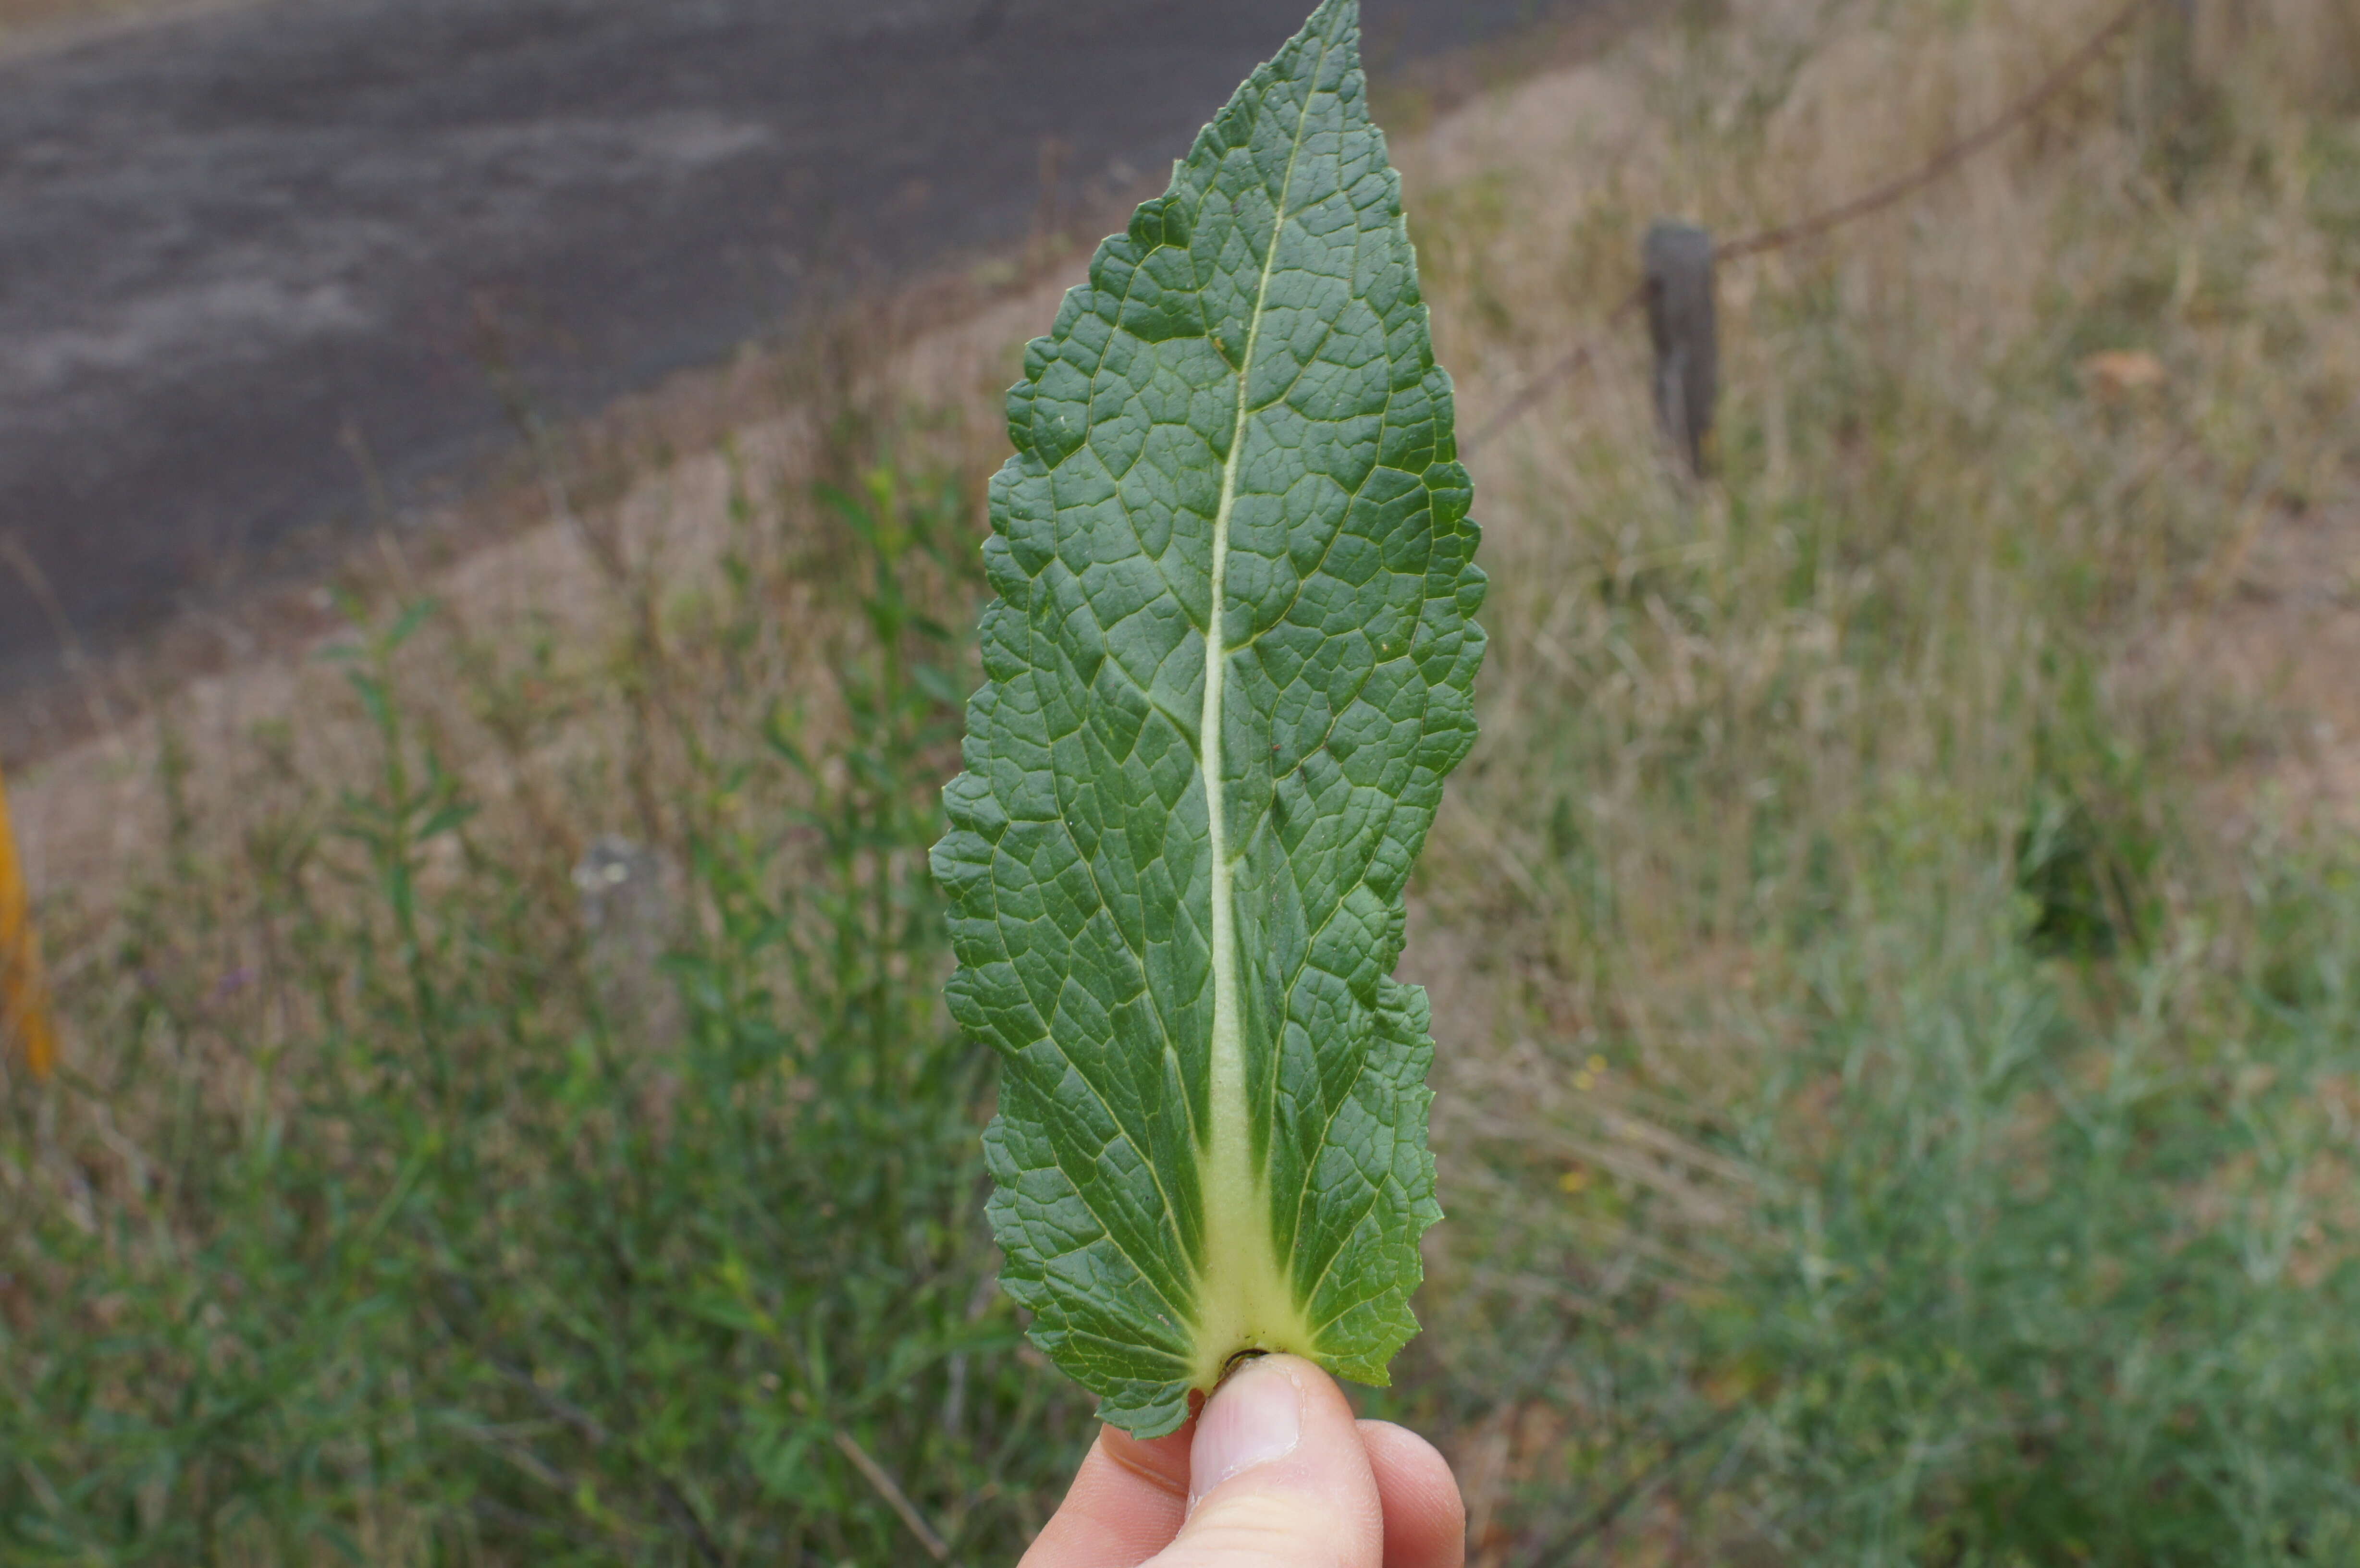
{"x":229,"y":239}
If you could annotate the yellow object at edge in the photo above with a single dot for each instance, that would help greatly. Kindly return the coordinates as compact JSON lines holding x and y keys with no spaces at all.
{"x":24,"y":991}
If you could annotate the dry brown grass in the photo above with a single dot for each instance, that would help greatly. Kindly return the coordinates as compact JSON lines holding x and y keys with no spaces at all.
{"x":2309,"y":46}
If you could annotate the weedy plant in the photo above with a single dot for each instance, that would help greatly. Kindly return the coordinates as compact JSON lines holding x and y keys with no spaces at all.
{"x":435,"y":1251}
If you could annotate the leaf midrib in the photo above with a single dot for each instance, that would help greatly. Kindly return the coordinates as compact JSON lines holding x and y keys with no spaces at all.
{"x":1231,"y":1176}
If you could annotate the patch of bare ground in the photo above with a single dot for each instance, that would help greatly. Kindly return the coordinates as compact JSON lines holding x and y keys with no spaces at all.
{"x":2280,"y":643}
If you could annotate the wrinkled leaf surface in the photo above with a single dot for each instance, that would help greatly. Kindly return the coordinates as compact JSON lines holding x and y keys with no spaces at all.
{"x":1228,"y":667}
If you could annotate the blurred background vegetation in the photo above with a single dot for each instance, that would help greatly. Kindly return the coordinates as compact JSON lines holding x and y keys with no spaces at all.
{"x":1895,"y":949}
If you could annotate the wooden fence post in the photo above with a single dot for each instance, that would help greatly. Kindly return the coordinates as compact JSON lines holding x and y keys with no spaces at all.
{"x":1683,"y":323}
{"x":24,"y":990}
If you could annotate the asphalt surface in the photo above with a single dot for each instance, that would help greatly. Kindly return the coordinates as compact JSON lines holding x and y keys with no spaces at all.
{"x":239,"y":250}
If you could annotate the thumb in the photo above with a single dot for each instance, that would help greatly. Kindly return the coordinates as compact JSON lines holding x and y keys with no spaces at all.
{"x":1279,"y":1477}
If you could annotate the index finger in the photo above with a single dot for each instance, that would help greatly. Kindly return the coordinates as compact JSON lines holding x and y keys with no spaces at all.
{"x":1125,"y":1505}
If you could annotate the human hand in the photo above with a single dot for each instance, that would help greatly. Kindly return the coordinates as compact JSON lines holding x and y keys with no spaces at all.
{"x":1274,"y":1474}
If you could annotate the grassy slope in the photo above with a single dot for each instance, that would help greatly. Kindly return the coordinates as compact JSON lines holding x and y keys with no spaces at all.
{"x":1895,"y":990}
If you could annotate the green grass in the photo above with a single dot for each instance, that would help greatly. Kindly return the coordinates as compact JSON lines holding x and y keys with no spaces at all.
{"x":1885,"y":1117}
{"x":456,"y":1236}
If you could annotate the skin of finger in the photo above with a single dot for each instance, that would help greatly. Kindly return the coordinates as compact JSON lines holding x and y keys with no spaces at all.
{"x":1425,"y":1518}
{"x":1316,"y":1507}
{"x":1124,"y":1506}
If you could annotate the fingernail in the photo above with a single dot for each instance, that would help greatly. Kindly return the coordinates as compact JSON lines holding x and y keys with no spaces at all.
{"x":1252,"y":1418}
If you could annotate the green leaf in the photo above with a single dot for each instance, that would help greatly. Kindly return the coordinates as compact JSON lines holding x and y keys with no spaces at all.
{"x":1176,"y":900}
